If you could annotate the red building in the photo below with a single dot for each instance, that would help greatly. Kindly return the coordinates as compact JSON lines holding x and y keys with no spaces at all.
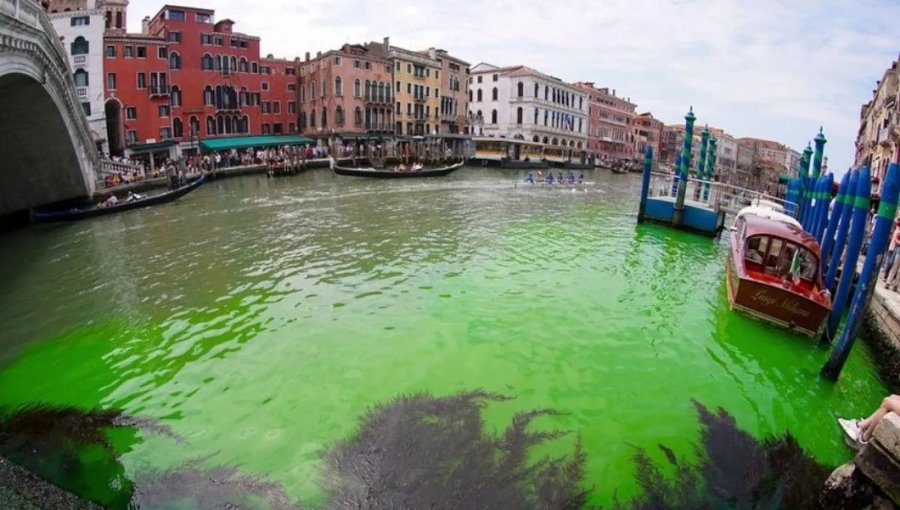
{"x":202,"y":80}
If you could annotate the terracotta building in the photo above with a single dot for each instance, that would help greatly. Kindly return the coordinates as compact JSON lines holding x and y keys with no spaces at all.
{"x":454,"y":91}
{"x":610,"y":120}
{"x":648,"y":131}
{"x":346,"y":93}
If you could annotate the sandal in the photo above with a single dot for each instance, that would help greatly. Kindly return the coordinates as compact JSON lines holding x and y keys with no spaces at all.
{"x":852,"y":433}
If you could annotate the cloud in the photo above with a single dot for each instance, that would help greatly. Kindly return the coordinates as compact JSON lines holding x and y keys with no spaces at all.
{"x":770,"y":68}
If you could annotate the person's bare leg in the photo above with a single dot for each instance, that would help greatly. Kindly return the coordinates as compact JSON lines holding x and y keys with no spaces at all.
{"x":888,"y":405}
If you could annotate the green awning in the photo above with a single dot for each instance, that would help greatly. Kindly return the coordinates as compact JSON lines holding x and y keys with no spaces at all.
{"x":243,"y":142}
{"x":150,"y":147}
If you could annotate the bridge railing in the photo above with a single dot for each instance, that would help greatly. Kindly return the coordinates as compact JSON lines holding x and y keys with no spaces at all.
{"x":108,"y":166}
{"x":715,"y":195}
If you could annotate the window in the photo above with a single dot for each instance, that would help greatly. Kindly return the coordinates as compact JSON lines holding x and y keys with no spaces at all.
{"x":80,"y":46}
{"x":128,"y":52}
{"x":493,"y":116}
{"x":174,"y":37}
{"x":409,"y":68}
{"x":324,"y":117}
{"x":130,"y":113}
{"x":254,"y":68}
{"x":81,"y":78}
{"x":141,"y":80}
{"x":119,"y":23}
{"x":131,"y":137}
{"x":177,"y":128}
{"x":206,"y":62}
{"x":110,"y":52}
{"x":174,"y":61}
{"x":175,"y":96}
{"x":409,"y":88}
{"x":292,"y":87}
{"x":494,"y":94}
{"x":165,"y":133}
{"x":520,"y":89}
{"x":519,"y":115}
{"x":175,"y":15}
{"x":291,"y":107}
{"x":77,"y":21}
{"x":110,"y":81}
{"x":357,"y":116}
{"x":208,"y":98}
{"x":292,"y":128}
{"x":479,"y":95}
{"x":338,"y":86}
{"x":266,"y":107}
{"x":163,"y":110}
{"x":337,"y":60}
{"x":276,"y":106}
{"x":339,"y":116}
{"x":206,"y":39}
{"x":87,"y":109}
{"x":290,"y":71}
{"x":265,"y":86}
{"x":202,"y":17}
{"x":312,"y":118}
{"x":141,"y":52}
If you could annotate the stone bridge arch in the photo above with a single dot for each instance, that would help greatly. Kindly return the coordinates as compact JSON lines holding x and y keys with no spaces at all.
{"x":46,"y":151}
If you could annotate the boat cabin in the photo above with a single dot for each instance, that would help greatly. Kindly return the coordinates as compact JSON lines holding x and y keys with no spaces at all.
{"x":779,"y":253}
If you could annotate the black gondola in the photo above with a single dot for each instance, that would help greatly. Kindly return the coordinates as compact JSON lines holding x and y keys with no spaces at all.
{"x":50,"y":216}
{"x":394,"y":174}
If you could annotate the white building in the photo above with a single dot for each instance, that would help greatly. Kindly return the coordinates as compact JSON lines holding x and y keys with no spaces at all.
{"x":522,"y":103}
{"x":81,"y":33}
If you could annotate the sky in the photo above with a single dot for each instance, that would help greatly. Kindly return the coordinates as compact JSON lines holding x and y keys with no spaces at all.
{"x":765,"y":68}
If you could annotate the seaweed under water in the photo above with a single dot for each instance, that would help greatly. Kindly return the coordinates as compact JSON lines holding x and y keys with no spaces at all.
{"x":421,"y":451}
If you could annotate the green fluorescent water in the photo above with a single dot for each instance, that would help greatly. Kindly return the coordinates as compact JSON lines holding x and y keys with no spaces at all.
{"x":260,"y":318}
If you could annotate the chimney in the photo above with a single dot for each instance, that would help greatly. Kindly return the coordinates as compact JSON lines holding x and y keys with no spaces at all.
{"x":318,"y":54}
{"x":307,"y":56}
{"x":614,"y":92}
{"x":387,"y":44}
{"x":145,"y":25}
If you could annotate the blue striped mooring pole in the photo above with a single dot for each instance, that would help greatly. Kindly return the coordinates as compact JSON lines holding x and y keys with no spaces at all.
{"x":678,"y":209}
{"x":857,"y":234}
{"x":676,"y":175}
{"x":840,"y":239}
{"x":884,"y":220}
{"x":805,"y":160}
{"x":833,"y":218}
{"x":824,"y":203}
{"x":710,"y":165}
{"x":645,"y":182}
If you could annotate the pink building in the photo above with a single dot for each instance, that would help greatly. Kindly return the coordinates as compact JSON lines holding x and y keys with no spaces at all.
{"x":345,"y":93}
{"x":610,"y":122}
{"x":648,"y":131}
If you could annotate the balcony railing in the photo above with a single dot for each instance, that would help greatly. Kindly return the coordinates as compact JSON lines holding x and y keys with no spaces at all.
{"x":79,"y":59}
{"x":374,"y":98}
{"x":81,"y":92}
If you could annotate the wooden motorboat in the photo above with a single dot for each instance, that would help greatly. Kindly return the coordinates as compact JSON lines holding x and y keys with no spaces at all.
{"x":773,"y":272}
{"x":49,"y":216}
{"x":394,"y":174}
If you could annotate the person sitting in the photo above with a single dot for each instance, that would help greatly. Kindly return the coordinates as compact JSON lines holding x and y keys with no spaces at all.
{"x":530,"y":178}
{"x":549,"y":179}
{"x":109,"y":202}
{"x":132,"y":197}
{"x":860,"y":431}
{"x":571,"y":178}
{"x":580,"y":178}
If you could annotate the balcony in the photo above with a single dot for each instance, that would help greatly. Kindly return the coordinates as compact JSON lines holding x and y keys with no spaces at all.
{"x":374,"y":98}
{"x":159,"y":90}
{"x":419,"y":99}
{"x":81,"y":92}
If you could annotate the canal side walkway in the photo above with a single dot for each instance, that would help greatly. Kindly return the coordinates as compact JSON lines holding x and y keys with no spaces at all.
{"x":882,"y":333}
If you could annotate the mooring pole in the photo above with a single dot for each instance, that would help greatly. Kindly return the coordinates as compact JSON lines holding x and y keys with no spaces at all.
{"x":860,"y":216}
{"x":805,"y":160}
{"x":840,"y":239}
{"x":710,"y":166}
{"x":678,"y":209}
{"x":884,"y":220}
{"x":833,"y":218}
{"x":645,"y":182}
{"x":701,"y":164}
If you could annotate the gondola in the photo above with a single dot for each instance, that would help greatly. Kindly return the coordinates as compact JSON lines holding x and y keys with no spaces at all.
{"x":49,"y":216}
{"x":394,"y":174}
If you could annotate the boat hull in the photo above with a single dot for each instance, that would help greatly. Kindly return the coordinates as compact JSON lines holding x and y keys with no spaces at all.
{"x":773,"y":304}
{"x":48,"y":216}
{"x":391,"y":174}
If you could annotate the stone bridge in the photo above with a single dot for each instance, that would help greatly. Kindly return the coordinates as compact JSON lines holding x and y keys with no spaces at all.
{"x":46,"y":151}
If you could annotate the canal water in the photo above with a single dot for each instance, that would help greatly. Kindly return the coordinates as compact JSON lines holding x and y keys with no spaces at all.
{"x":260,"y":319}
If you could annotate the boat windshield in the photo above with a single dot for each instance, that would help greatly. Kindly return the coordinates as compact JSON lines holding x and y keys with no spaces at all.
{"x":781,"y":258}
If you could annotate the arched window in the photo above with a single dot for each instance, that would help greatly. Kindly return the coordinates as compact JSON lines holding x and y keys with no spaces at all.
{"x":338,"y":86}
{"x":302,"y":121}
{"x":243,"y":66}
{"x":339,"y":116}
{"x":245,"y":124}
{"x":535,"y":138}
{"x":219,"y":98}
{"x":368,"y":94}
{"x":175,"y":96}
{"x":357,"y":116}
{"x":470,"y":95}
{"x":235,"y":124}
{"x":556,"y":141}
{"x":519,"y":115}
{"x":218,"y":63}
{"x":536,"y":117}
{"x":381,"y":92}
{"x":177,"y":128}
{"x":80,"y":46}
{"x":493,"y":116}
{"x":108,"y":19}
{"x":479,"y":95}
{"x":536,"y":91}
{"x":206,"y":63}
{"x":356,"y":88}
{"x":546,"y":93}
{"x":312,"y":118}
{"x":208,"y":98}
{"x":233,"y":68}
{"x":324,"y":117}
{"x":545,"y":140}
{"x":521,"y":89}
{"x":244,"y":97}
{"x":312,"y":94}
{"x":578,"y":145}
{"x":580,"y":103}
{"x":220,"y":125}
{"x":210,"y":125}
{"x":81,"y":78}
{"x":119,"y":20}
{"x":494,"y":94}
{"x":195,"y":126}
{"x":324,"y":89}
{"x":174,"y":61}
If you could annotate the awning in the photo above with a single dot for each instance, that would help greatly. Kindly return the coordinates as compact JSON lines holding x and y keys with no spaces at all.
{"x":150,"y":147}
{"x":243,"y":142}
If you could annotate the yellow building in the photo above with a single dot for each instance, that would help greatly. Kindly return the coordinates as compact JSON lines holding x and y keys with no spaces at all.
{"x":417,"y":82}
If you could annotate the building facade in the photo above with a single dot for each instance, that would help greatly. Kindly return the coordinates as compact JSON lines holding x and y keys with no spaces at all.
{"x":648,"y":132}
{"x":346,"y":93}
{"x":80,"y":26}
{"x":454,"y":91}
{"x":416,"y":88}
{"x":610,"y":120}
{"x":878,"y":138}
{"x":523,"y":103}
